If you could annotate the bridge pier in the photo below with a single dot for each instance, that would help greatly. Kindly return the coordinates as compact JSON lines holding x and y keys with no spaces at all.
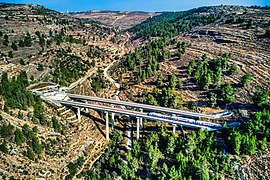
{"x":174,"y":128}
{"x":79,"y":114}
{"x":112,"y":120}
{"x":141,"y":119}
{"x":184,"y":135}
{"x":86,"y":109}
{"x":174,"y":125}
{"x":138,"y":128}
{"x":107,"y":125}
{"x":128,"y":118}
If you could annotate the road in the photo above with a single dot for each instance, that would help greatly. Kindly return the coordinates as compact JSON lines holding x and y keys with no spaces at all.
{"x":132,"y":113}
{"x":145,"y":106}
{"x":82,"y":79}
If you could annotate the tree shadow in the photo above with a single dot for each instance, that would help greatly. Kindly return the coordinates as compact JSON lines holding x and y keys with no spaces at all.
{"x":98,"y":122}
{"x":174,"y":58}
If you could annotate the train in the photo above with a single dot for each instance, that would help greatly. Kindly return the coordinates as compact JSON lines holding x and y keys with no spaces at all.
{"x":185,"y":120}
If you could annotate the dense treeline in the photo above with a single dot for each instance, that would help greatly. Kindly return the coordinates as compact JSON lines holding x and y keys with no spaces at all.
{"x":69,"y":68}
{"x":33,"y":147}
{"x":164,"y":97}
{"x":15,"y":95}
{"x":253,"y":137}
{"x":14,"y":92}
{"x":26,"y":135}
{"x":207,"y":72}
{"x":201,"y":155}
{"x":108,"y":165}
{"x":95,"y":52}
{"x":170,"y":24}
{"x":144,"y":62}
{"x":98,"y":82}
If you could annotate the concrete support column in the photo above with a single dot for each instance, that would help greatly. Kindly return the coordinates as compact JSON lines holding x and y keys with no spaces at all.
{"x":184,"y":135}
{"x":86,"y":109}
{"x":112,"y":120}
{"x":138,"y":128}
{"x":128,"y":118}
{"x":174,"y":128}
{"x":141,"y":119}
{"x":79,"y":114}
{"x":107,"y":125}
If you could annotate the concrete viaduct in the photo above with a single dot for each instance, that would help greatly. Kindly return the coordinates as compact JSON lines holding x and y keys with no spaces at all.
{"x":67,"y":99}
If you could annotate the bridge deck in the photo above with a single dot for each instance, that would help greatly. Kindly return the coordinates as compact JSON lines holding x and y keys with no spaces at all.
{"x":144,"y":106}
{"x":132,"y":113}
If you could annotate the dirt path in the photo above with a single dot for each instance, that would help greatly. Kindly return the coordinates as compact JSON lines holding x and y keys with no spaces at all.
{"x":92,"y":153}
{"x":117,"y":18}
{"x":82,"y":79}
{"x":117,"y":85}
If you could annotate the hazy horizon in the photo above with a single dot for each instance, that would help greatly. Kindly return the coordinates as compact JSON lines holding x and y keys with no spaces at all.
{"x":133,"y":5}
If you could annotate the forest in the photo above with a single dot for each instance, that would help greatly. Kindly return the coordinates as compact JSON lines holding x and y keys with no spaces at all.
{"x":16,"y":96}
{"x":169,"y":24}
{"x":197,"y":155}
{"x":14,"y":92}
{"x":69,"y":68}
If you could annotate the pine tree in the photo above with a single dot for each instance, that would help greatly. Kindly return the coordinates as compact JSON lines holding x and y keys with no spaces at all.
{"x":261,"y":98}
{"x":28,"y":40}
{"x":227,"y":93}
{"x":56,"y":125}
{"x":36,"y":146}
{"x":212,"y":99}
{"x":19,"y":137}
{"x":138,"y":80}
{"x":245,"y":79}
{"x":160,"y":79}
{"x":30,"y":154}
{"x":14,"y":46}
{"x":21,"y":43}
{"x":162,"y":174}
{"x":172,"y":80}
{"x":264,"y":143}
{"x":3,"y":148}
{"x":180,"y":84}
{"x":171,"y":145}
{"x":10,"y":54}
{"x":233,"y":69}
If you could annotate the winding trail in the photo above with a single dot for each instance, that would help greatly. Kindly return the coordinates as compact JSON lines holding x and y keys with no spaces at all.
{"x":117,"y":85}
{"x":82,"y":79}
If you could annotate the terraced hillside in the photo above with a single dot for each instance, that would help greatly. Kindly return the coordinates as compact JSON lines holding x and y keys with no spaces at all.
{"x":41,"y":47}
{"x":242,"y":32}
{"x":32,"y":38}
{"x":123,"y":20}
{"x":207,"y":59}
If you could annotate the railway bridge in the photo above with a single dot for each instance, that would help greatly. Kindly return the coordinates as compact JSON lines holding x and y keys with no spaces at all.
{"x":172,"y":116}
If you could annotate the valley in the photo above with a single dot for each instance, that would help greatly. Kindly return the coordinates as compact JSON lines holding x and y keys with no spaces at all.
{"x":205,"y":60}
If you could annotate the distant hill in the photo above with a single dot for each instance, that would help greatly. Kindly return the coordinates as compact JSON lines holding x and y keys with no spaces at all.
{"x":121,"y":19}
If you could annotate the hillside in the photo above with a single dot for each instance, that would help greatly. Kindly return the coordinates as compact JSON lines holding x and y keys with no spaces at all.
{"x":211,"y":66}
{"x":208,"y":60}
{"x":123,"y":20}
{"x":242,"y":32}
{"x":40,"y":47}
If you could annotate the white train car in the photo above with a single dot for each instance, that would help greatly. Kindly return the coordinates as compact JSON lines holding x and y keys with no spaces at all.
{"x":186,"y":120}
